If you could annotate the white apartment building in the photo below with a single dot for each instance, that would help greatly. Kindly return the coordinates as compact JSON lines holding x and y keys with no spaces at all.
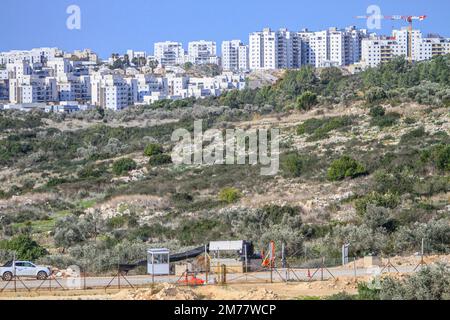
{"x":18,"y":69}
{"x":332,"y":47}
{"x":32,"y":89}
{"x":176,"y":85}
{"x":60,"y":66}
{"x":262,"y":50}
{"x":377,"y":50}
{"x":235,"y":56}
{"x":136,"y":54}
{"x":308,"y":57}
{"x":202,"y":52}
{"x":274,"y":50}
{"x":148,"y":84}
{"x":431,"y":47}
{"x":74,"y":88}
{"x":38,"y":55}
{"x":113,"y":91}
{"x":167,"y":53}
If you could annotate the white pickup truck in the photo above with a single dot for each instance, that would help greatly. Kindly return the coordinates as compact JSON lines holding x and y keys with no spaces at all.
{"x":24,"y":269}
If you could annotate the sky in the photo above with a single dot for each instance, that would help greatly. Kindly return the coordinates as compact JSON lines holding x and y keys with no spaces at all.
{"x":113,"y":26}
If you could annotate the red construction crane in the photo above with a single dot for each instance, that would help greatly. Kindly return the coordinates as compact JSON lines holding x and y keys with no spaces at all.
{"x":409,"y":19}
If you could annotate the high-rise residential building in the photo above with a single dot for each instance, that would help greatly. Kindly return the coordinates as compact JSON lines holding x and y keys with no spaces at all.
{"x":113,"y":91}
{"x":307,"y":53}
{"x":235,"y":56}
{"x":201,"y":52}
{"x":262,"y":50}
{"x":274,"y":50}
{"x":32,"y":89}
{"x":353,"y":48}
{"x":18,"y":69}
{"x":74,"y":88}
{"x":333,"y":47}
{"x":167,"y":53}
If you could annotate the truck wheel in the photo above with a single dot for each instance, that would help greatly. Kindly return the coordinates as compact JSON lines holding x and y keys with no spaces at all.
{"x":7,"y":276}
{"x":42,"y":275}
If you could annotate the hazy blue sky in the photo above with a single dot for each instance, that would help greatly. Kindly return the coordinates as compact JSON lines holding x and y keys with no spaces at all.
{"x":114,"y":26}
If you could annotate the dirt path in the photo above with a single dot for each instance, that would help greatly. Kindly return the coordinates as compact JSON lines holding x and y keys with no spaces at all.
{"x":276,"y":291}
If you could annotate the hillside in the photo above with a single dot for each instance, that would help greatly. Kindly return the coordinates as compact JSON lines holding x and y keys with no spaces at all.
{"x":364,"y":159}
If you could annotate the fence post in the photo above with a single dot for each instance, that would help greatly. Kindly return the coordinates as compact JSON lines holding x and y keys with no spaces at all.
{"x":15,"y":272}
{"x":206,"y":264}
{"x":321,"y":268}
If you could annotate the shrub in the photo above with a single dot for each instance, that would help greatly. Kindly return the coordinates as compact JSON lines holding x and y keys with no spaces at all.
{"x":377,"y":111}
{"x":72,"y":230}
{"x":363,"y":239}
{"x":400,"y":181}
{"x":319,"y":128}
{"x":368,"y":291}
{"x":90,"y":171}
{"x":441,"y":157}
{"x":307,"y":100}
{"x":153,"y":150}
{"x":24,"y":247}
{"x":342,"y":296}
{"x":229,"y":195}
{"x":160,"y":159}
{"x":124,"y":165}
{"x":345,"y":167}
{"x":375,"y":94}
{"x":53,"y":182}
{"x":388,"y":200}
{"x":436,"y":234}
{"x":378,"y":218}
{"x":430,"y":283}
{"x":293,"y":164}
{"x":413,"y":135}
{"x":387,"y":120}
{"x":195,"y":232}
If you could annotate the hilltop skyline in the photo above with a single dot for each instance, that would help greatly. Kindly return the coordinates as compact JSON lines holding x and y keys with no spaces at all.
{"x":107,"y":27}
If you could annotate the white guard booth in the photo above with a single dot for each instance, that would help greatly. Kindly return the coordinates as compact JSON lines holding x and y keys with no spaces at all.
{"x":158,"y":262}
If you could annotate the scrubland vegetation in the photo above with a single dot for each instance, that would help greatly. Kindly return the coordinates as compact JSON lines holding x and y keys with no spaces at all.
{"x":365,"y":159}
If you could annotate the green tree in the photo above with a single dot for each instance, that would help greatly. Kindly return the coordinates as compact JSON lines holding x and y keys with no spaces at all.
{"x":24,"y":247}
{"x":124,"y":165}
{"x":293,"y":164}
{"x":153,"y":64}
{"x":442,"y":157}
{"x":153,"y":149}
{"x":345,"y":167}
{"x":307,"y":100}
{"x":188,"y":66}
{"x":160,"y":159}
{"x":377,"y":111}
